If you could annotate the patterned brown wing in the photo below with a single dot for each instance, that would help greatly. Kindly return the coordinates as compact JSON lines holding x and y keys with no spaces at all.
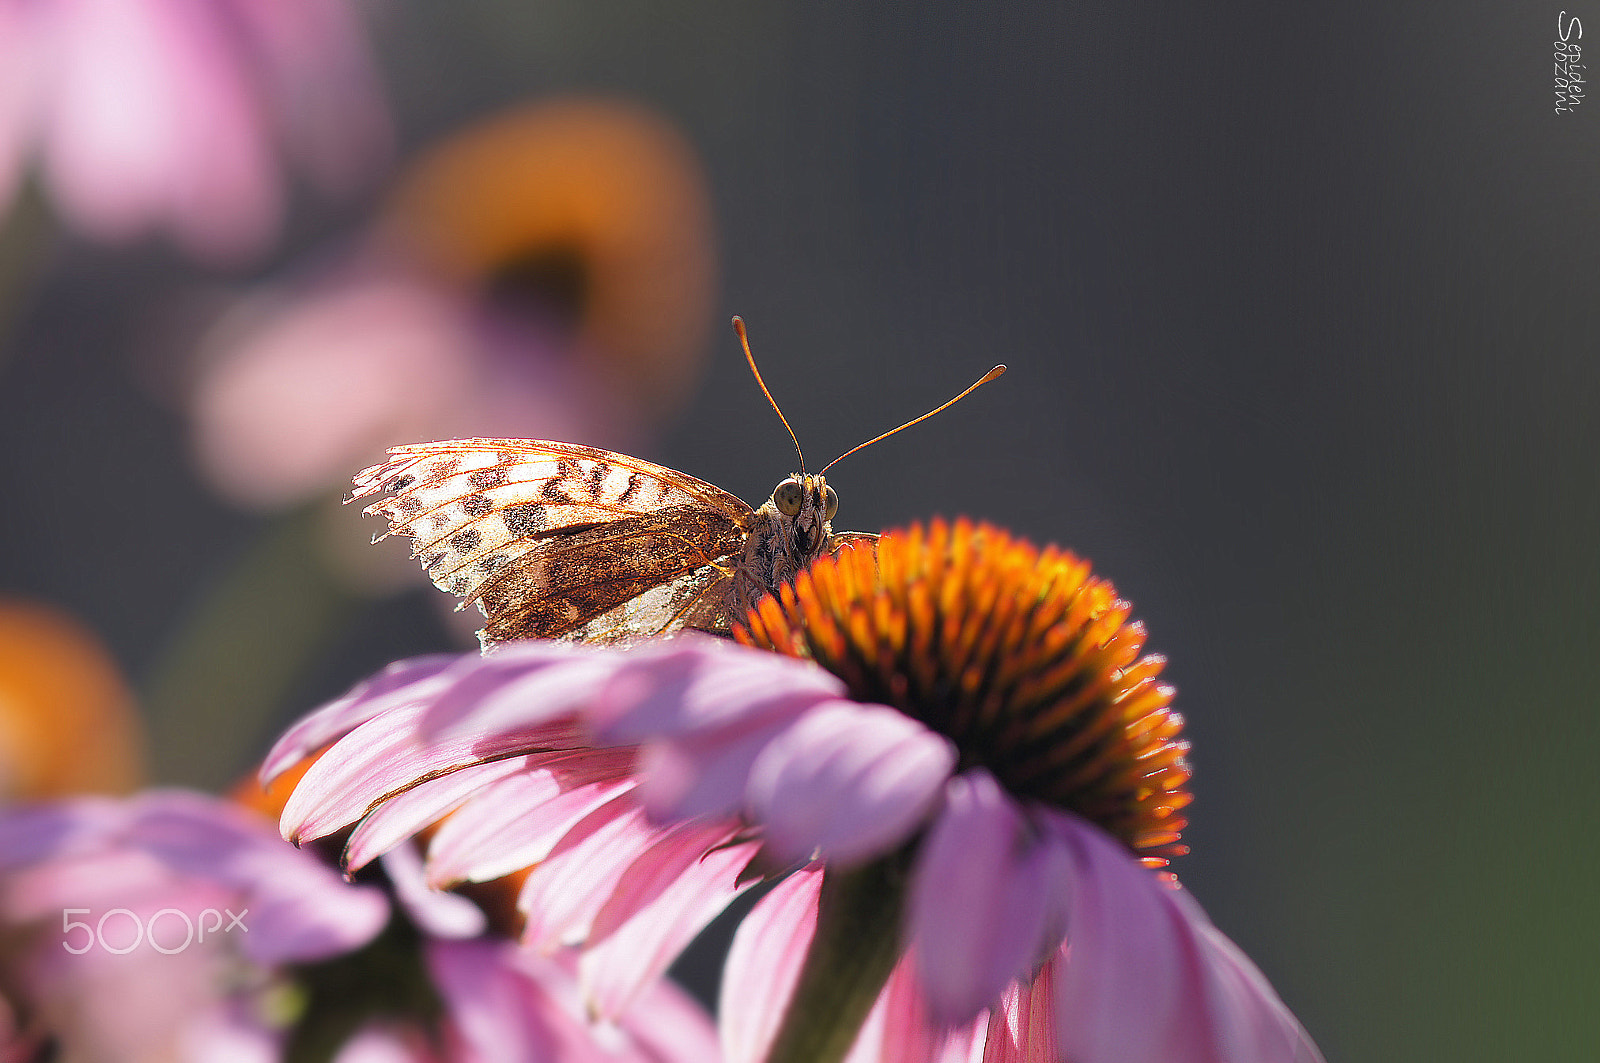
{"x":558,"y":540}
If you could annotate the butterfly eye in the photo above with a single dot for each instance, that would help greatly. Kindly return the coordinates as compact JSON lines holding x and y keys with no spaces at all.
{"x":787,"y":497}
{"x":830,"y":503}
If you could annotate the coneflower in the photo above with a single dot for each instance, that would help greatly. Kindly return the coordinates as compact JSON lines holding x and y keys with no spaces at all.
{"x":971,"y":768}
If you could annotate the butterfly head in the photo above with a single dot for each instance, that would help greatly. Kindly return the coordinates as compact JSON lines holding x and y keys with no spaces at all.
{"x":803,"y":506}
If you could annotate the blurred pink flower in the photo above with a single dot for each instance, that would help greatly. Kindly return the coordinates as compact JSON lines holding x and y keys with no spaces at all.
{"x":642,"y":790}
{"x":132,"y":986}
{"x":546,"y":272}
{"x":170,"y":114}
{"x":115,"y":914}
{"x":301,"y":388}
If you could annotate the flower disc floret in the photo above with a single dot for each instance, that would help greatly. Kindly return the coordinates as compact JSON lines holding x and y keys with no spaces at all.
{"x":1025,"y":660}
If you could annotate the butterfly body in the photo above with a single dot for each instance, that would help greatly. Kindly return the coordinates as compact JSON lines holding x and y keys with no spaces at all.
{"x":559,"y":540}
{"x":791,"y":529}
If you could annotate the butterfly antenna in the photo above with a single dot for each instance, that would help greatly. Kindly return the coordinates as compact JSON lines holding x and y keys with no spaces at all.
{"x":990,"y":375}
{"x":744,"y":339}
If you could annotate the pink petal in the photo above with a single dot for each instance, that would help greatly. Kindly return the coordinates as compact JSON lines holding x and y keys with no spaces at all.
{"x":697,"y":684}
{"x":410,"y":682}
{"x":155,"y":123}
{"x":985,"y":904}
{"x":668,"y":1024}
{"x":31,"y":833}
{"x":764,"y":963}
{"x":314,"y":61}
{"x":702,"y":773}
{"x":508,"y":1005}
{"x":641,"y":949}
{"x":898,"y":1029}
{"x":562,"y":895}
{"x":849,"y":780}
{"x":397,"y":819}
{"x":403,"y":744}
{"x":185,"y":847}
{"x":520,"y":687}
{"x":378,"y":760}
{"x":27,"y":56}
{"x":674,"y":853}
{"x":1021,"y":1028}
{"x":113,"y":872}
{"x":380,"y":1044}
{"x":585,"y":766}
{"x":1148,"y":979}
{"x":232,"y":1034}
{"x":300,"y":388}
{"x":494,"y":1012}
{"x":510,"y":826}
{"x":299,"y":909}
{"x":438,"y":914}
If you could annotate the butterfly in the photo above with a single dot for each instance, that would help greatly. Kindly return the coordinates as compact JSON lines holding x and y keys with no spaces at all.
{"x":564,"y":541}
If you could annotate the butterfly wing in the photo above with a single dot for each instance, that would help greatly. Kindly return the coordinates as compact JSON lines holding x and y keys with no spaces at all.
{"x":558,"y":540}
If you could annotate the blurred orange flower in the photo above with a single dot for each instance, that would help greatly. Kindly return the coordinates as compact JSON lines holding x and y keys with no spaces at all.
{"x":599,"y":200}
{"x":67,"y":720}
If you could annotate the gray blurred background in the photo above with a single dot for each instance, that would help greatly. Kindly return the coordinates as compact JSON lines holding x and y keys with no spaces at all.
{"x":1300,"y":311}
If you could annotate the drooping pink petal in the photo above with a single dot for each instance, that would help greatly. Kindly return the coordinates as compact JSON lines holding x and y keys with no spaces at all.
{"x":31,"y":833}
{"x":28,"y":43}
{"x":667,"y":1024}
{"x":192,"y":853}
{"x":636,"y":951}
{"x":378,"y":760}
{"x":399,"y":818}
{"x":763,"y":965}
{"x":561,"y":896}
{"x":300,"y":387}
{"x":233,"y":1034}
{"x":225,"y":199}
{"x":511,"y":826}
{"x":674,"y":852}
{"x":899,"y":1029}
{"x":986,"y":899}
{"x":494,"y":1014}
{"x":171,"y":114}
{"x":414,"y":681}
{"x":384,"y":1044}
{"x":521,"y":688}
{"x":1021,"y":1027}
{"x":511,"y":1006}
{"x":299,"y":909}
{"x":849,"y":780}
{"x":699,"y":684}
{"x":1149,"y":979}
{"x":111,"y":871}
{"x":436,"y":913}
{"x":702,"y":773}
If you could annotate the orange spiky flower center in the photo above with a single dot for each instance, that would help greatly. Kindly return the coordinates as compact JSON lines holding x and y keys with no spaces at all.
{"x":1026,"y":661}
